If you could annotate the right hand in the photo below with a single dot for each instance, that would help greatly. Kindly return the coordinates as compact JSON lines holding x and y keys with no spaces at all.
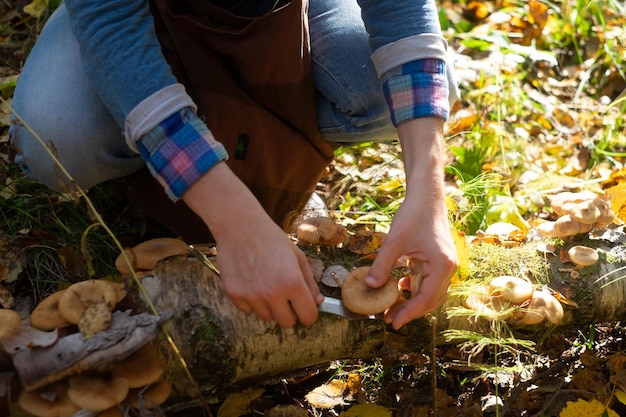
{"x":262,"y":271}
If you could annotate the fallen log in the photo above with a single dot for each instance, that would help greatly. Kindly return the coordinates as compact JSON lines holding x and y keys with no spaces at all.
{"x":225,"y":348}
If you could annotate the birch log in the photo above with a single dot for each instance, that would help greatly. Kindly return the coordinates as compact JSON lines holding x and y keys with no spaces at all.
{"x":224,"y":347}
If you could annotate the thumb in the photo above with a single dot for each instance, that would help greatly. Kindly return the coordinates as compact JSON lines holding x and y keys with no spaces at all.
{"x":379,"y":272}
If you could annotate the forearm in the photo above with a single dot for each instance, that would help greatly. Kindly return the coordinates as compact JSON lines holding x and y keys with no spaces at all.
{"x":423,"y":152}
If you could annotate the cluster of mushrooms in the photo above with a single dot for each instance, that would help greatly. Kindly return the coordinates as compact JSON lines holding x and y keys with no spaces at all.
{"x":578,"y":212}
{"x":516,"y":301}
{"x":135,"y":381}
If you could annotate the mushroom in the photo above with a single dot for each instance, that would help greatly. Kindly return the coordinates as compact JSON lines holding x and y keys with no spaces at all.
{"x":10,"y":321}
{"x":141,"y":368}
{"x":607,"y":215}
{"x":340,"y":236}
{"x":547,"y":228}
{"x":561,"y":203}
{"x":50,"y":401}
{"x":513,"y":289}
{"x":79,"y":296}
{"x":315,"y":230}
{"x":111,"y":412}
{"x":153,"y":395}
{"x":46,"y":315}
{"x":146,"y":255}
{"x":566,"y":226}
{"x":334,"y":275}
{"x":583,"y":255}
{"x":543,"y":305}
{"x":97,"y":391}
{"x":585,"y":212}
{"x":361,"y":298}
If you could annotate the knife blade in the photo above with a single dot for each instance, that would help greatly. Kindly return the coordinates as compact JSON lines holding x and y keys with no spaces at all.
{"x":335,"y":306}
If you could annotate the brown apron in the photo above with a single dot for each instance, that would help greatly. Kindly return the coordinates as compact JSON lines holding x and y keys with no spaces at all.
{"x":252,"y":82}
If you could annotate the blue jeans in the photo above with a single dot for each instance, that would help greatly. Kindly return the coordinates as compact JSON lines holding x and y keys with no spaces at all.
{"x":56,"y":99}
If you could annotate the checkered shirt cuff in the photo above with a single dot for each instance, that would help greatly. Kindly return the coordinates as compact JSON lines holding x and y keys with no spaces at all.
{"x":179,"y":151}
{"x":417,"y":89}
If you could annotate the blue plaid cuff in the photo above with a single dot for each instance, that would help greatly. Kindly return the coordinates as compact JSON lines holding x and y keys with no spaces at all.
{"x":418,"y":89}
{"x":179,"y":151}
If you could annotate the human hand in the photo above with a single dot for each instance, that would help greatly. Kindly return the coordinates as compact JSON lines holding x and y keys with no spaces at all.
{"x":417,"y":234}
{"x":262,"y":271}
{"x":420,"y":228}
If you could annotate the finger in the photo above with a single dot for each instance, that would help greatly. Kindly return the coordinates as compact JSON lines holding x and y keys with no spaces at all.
{"x":412,"y":309}
{"x":380,"y":270}
{"x":305,"y":307}
{"x":309,"y":279}
{"x":284,"y":315}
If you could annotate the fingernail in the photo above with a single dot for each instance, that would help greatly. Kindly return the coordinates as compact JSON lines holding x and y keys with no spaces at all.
{"x":370,"y":280}
{"x":319,"y":298}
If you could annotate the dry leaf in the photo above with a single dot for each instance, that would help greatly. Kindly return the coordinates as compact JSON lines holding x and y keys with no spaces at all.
{"x":328,"y":396}
{"x":365,"y":242}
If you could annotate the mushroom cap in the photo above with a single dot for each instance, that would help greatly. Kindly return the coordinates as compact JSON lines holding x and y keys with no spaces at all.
{"x":10,"y":321}
{"x":111,"y":412}
{"x":340,"y":236}
{"x":513,"y":289}
{"x":79,"y":296}
{"x":49,"y":401}
{"x":585,"y":212}
{"x":546,"y":228}
{"x":583,"y":255}
{"x":559,"y":202}
{"x":97,"y":391}
{"x":122,"y":265}
{"x":607,"y":215}
{"x":152,"y":396}
{"x":46,"y":315}
{"x":546,"y":305}
{"x":316,"y":230}
{"x":141,"y":368}
{"x":361,"y":298}
{"x":334,"y":276}
{"x":150,"y":252}
{"x":566,"y":226}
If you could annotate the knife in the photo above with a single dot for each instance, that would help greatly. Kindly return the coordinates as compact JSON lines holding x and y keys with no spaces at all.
{"x":335,"y":306}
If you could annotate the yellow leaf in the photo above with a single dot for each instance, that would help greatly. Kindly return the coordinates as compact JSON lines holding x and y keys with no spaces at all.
{"x":366,"y":410}
{"x":238,"y":403}
{"x":582,"y":408}
{"x":36,"y":8}
{"x":621,"y":396}
{"x":618,"y":196}
{"x":462,"y":251}
{"x":392,"y":185}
